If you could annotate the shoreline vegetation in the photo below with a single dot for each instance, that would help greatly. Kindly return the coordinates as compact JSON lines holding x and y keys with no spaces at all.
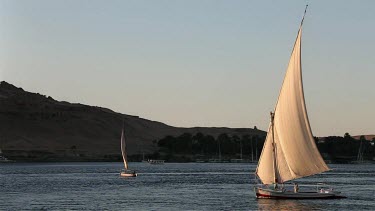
{"x":247,"y":149}
{"x":203,"y":148}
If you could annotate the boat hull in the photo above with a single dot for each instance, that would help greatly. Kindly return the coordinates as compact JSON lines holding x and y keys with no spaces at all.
{"x":125,"y":174}
{"x":279,"y":194}
{"x":7,"y":161}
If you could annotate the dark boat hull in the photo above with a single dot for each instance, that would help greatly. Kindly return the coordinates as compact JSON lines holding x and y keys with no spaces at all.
{"x":280,"y":194}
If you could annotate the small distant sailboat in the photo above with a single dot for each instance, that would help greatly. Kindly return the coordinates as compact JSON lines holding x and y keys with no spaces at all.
{"x":126,"y":172}
{"x":289,"y":151}
{"x":143,"y":158}
{"x":160,"y":162}
{"x":3,"y":159}
{"x":360,"y":153}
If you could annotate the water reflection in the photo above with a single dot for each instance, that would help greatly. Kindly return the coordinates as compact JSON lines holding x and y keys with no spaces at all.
{"x":270,"y":204}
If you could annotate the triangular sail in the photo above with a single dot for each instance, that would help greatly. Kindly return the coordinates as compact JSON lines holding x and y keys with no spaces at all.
{"x":295,"y":149}
{"x":123,"y":150}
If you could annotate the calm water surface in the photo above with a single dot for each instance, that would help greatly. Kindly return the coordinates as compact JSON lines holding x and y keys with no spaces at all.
{"x":173,"y":186}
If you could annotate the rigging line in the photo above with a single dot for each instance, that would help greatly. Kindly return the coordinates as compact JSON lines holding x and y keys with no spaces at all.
{"x":303,"y":18}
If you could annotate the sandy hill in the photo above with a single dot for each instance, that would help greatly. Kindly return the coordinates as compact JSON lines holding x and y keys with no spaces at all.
{"x":33,"y":125}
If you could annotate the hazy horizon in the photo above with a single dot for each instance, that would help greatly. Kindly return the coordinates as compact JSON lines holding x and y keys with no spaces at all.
{"x":195,"y":63}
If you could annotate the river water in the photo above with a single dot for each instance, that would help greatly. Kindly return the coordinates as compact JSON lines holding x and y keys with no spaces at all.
{"x":172,"y":186}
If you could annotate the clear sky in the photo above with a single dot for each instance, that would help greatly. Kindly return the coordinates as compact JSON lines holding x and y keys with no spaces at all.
{"x":195,"y":62}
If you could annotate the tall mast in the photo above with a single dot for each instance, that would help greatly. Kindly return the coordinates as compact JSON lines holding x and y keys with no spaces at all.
{"x":241,"y":147}
{"x":360,"y":155}
{"x":303,"y":18}
{"x":219,"y":151}
{"x":273,"y":147}
{"x":252,"y":150}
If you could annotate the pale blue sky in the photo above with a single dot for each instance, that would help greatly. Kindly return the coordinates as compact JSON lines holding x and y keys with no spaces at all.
{"x":195,"y":63}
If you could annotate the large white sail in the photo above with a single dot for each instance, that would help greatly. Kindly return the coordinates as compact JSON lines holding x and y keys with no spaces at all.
{"x":123,"y":150}
{"x":295,"y":149}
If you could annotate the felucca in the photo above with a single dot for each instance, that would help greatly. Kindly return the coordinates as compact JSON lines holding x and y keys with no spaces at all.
{"x":126,"y":172}
{"x":289,"y":151}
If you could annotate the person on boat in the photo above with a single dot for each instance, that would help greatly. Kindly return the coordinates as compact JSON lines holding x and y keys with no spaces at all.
{"x":275,"y":186}
{"x":296,"y":188}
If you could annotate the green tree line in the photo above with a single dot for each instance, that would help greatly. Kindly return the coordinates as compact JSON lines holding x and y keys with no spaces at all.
{"x":346,"y":148}
{"x":208,"y":147}
{"x":189,"y":147}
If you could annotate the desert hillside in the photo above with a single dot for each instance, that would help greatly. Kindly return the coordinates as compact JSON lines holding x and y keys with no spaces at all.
{"x":36,"y":127}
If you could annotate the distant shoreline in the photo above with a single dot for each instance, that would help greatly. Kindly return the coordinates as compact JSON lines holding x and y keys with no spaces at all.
{"x":119,"y":161}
